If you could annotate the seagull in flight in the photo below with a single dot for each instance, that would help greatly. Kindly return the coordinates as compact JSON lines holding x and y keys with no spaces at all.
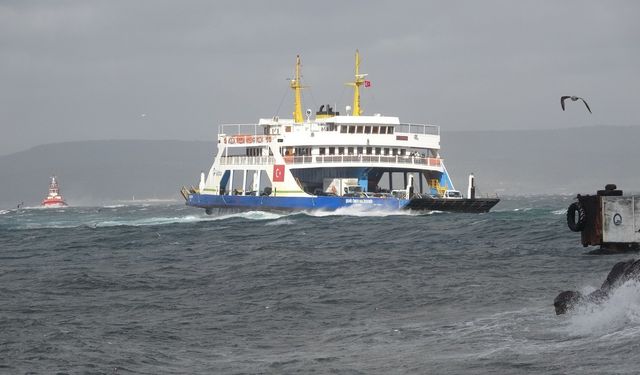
{"x":573,"y":98}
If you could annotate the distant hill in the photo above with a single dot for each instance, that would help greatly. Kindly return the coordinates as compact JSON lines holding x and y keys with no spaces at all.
{"x":507,"y":162}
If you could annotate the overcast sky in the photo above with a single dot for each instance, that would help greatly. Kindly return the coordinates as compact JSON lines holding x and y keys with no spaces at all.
{"x":76,"y":70}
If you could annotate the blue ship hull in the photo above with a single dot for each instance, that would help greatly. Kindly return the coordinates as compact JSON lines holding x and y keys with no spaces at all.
{"x":325,"y":203}
{"x":332,"y":203}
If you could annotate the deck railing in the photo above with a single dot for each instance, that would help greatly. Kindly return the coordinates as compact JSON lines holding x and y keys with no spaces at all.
{"x":256,"y":130}
{"x":333,"y":159}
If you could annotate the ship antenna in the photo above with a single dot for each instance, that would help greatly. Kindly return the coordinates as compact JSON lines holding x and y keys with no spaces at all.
{"x":357,"y":82}
{"x":297,"y":87}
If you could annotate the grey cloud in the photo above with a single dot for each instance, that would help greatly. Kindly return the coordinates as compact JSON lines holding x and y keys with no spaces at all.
{"x":74,"y":70}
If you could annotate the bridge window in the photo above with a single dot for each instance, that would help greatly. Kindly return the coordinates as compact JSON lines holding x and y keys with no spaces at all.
{"x":395,"y":152}
{"x":403,"y":152}
{"x":383,"y":130}
{"x":367,"y":129}
{"x":350,"y":150}
{"x":359,"y":129}
{"x":378,"y":150}
{"x":352,"y":129}
{"x":374,"y":130}
{"x":390,"y":130}
{"x":369,"y":150}
{"x":386,"y":150}
{"x":340,"y":150}
{"x":322,"y":150}
{"x":332,"y":150}
{"x":302,"y":151}
{"x":360,"y":150}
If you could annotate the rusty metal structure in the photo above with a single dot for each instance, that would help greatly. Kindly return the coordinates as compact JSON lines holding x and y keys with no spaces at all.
{"x":608,"y":219}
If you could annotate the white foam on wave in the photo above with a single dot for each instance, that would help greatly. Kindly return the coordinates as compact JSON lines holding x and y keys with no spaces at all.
{"x":524,"y":209}
{"x":560,"y":212}
{"x":250,"y":215}
{"x":281,"y":221}
{"x":4,"y":212}
{"x":619,"y":315}
{"x":367,"y":211}
{"x":114,"y":206}
{"x":96,"y":222}
{"x":259,"y":215}
{"x":147,"y":221}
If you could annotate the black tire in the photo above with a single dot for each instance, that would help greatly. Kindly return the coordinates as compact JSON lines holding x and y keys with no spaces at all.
{"x":576,"y":226}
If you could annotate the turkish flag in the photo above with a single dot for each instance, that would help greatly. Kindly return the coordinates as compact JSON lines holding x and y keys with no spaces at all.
{"x":278,"y":173}
{"x":367,"y":83}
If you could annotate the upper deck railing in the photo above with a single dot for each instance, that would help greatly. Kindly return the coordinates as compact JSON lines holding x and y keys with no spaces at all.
{"x":256,"y":129}
{"x":333,"y":159}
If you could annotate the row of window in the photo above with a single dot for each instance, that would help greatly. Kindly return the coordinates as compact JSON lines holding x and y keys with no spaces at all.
{"x":355,"y":150}
{"x":353,"y":129}
{"x":366,"y":129}
{"x":362,"y":151}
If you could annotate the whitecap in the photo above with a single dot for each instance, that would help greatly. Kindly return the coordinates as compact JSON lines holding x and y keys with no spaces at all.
{"x":365,"y":211}
{"x":281,"y":221}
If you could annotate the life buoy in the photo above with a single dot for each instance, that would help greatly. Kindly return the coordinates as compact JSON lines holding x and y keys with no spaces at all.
{"x":576,"y":225}
{"x":249,"y":139}
{"x":232,"y":140}
{"x":240,"y":139}
{"x":268,"y":138}
{"x":259,"y":139}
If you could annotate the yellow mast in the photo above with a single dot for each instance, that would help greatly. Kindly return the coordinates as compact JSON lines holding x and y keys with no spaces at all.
{"x":358,"y":81}
{"x":297,"y":88}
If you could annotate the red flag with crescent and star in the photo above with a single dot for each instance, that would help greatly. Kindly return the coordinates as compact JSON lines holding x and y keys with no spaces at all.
{"x":278,"y":173}
{"x":367,"y":83}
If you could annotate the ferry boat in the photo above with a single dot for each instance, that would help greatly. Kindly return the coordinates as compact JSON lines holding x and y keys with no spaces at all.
{"x":54,"y":199}
{"x":329,"y":161}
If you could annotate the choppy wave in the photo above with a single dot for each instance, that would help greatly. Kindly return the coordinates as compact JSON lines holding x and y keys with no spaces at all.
{"x":349,"y":291}
{"x":97,"y":218}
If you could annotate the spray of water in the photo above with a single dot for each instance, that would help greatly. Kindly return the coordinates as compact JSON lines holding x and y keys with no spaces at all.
{"x":619,"y":314}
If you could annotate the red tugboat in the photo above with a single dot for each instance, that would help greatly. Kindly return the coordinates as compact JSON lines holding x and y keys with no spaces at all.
{"x":54,"y":199}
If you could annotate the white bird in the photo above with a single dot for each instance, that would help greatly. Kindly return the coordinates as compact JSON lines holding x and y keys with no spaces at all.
{"x":573,"y":98}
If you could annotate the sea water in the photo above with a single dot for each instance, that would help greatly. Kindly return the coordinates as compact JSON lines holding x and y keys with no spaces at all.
{"x":166,"y":289}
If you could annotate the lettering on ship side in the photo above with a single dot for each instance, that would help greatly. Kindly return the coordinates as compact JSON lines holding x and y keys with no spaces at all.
{"x":365,"y":201}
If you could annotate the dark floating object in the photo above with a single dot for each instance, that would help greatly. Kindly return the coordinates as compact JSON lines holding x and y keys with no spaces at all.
{"x":573,"y":98}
